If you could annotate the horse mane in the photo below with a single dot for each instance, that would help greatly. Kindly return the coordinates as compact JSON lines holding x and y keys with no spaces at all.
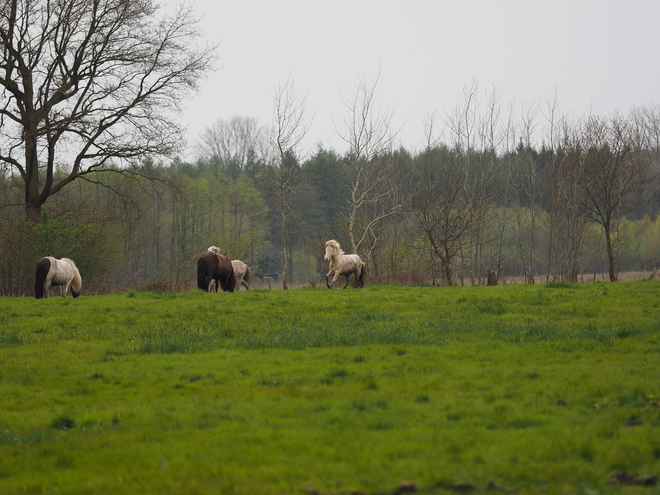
{"x":216,"y":250}
{"x":76,"y":283}
{"x":335,"y":245}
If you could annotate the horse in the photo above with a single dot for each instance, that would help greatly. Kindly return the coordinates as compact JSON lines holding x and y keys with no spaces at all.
{"x":217,"y":267}
{"x":241,"y":270}
{"x":343,"y":264}
{"x":243,"y":274}
{"x":57,"y":273}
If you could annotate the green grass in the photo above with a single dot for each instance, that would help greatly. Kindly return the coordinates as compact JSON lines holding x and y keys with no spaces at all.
{"x":541,"y":389}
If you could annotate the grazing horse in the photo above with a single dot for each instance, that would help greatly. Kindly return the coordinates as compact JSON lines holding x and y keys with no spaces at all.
{"x":243,"y":274}
{"x":241,"y":270}
{"x":217,"y":267}
{"x":343,"y":264}
{"x":54,"y":272}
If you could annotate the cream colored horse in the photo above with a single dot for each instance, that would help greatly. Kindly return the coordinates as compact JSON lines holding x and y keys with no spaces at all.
{"x":343,"y":264}
{"x":62,"y":273}
{"x":243,"y":273}
{"x":241,"y":270}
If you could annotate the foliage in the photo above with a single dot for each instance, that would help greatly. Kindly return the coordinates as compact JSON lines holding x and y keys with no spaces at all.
{"x":446,"y":214}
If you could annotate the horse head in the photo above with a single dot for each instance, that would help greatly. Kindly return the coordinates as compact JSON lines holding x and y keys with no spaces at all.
{"x":332,"y":250}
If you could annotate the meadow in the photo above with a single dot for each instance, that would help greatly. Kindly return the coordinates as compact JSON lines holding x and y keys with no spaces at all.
{"x":549,"y":388}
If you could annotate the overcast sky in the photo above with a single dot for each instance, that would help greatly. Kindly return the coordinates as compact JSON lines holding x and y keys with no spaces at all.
{"x":598,"y":54}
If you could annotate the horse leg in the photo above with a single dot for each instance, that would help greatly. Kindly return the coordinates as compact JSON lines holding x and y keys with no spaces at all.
{"x":334,"y":279}
{"x":348,"y":279}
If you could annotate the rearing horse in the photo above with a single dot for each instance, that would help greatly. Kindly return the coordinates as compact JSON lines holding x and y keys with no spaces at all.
{"x":217,"y":267}
{"x":343,"y":264}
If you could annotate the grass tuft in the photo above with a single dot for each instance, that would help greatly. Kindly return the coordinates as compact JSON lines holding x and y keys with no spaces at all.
{"x":63,"y":423}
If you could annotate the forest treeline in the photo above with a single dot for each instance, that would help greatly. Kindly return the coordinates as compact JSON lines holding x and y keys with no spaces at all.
{"x":91,"y":96}
{"x":576,"y":199}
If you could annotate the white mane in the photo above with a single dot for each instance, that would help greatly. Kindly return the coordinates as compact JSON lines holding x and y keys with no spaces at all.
{"x":334,"y":245}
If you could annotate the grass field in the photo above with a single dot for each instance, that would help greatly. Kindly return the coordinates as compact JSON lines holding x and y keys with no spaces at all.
{"x":538,"y":389}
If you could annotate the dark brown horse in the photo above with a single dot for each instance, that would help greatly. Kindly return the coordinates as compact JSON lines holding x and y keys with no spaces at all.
{"x":213,"y":266}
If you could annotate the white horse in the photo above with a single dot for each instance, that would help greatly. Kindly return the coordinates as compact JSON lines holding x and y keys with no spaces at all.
{"x":343,"y":264}
{"x":54,"y":272}
{"x":241,"y":270}
{"x":243,"y":273}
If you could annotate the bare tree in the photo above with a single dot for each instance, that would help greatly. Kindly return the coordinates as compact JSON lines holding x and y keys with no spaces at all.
{"x":454,"y":200}
{"x":613,"y":173}
{"x":442,"y":209}
{"x":87,"y":82}
{"x":290,"y":128}
{"x":490,"y":135}
{"x":238,"y":143}
{"x":567,"y":224}
{"x":528,"y":210}
{"x":366,"y":129}
{"x":503,"y":214}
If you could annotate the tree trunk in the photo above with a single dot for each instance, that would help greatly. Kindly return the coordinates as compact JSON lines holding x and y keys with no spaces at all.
{"x":32,"y":201}
{"x":33,"y":210}
{"x":284,"y":258}
{"x":610,"y":253}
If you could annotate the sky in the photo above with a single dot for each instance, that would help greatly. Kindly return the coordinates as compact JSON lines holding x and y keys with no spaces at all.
{"x":596,"y":56}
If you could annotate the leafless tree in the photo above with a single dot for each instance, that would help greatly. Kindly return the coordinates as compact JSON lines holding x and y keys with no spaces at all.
{"x":527,"y":181}
{"x":475,"y":133}
{"x":442,"y":207}
{"x":567,"y":224}
{"x":504,"y":213}
{"x":289,"y":130}
{"x":490,"y":134}
{"x":613,"y":173}
{"x":88,"y":82}
{"x":367,"y":131}
{"x":237,"y":143}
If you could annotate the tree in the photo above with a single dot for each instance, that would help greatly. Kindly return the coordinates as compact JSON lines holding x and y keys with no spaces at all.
{"x":290,"y":128}
{"x":568,"y":226}
{"x":613,"y":173}
{"x":529,"y":212}
{"x":88,"y":82}
{"x":442,"y":209}
{"x":455,"y":197}
{"x":367,"y":131}
{"x":239,"y":143}
{"x":324,"y":173}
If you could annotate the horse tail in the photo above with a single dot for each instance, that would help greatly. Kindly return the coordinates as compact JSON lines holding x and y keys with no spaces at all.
{"x":363,"y":274}
{"x":76,"y":283}
{"x":248,"y":275}
{"x":43,"y":267}
{"x":201,"y":275}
